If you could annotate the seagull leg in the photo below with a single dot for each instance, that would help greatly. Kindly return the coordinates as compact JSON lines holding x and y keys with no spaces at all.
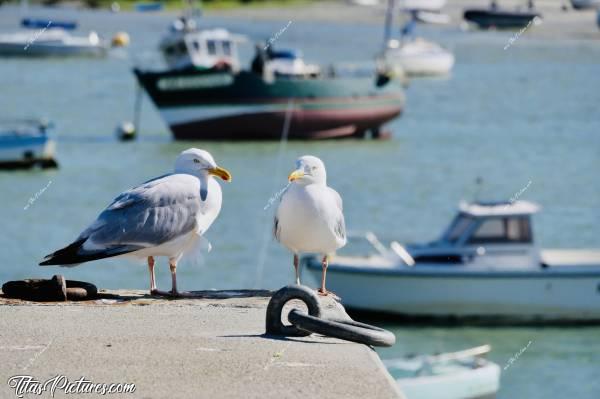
{"x":153,"y":289}
{"x":296,"y":268}
{"x":325,"y":263}
{"x":151,"y":269}
{"x":173,"y":267}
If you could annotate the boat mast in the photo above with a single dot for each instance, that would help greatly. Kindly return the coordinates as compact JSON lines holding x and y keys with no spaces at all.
{"x":389,"y":21}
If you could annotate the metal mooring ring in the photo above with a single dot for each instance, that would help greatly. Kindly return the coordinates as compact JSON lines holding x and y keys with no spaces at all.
{"x":348,"y":330}
{"x":55,"y":289}
{"x":274,"y":324}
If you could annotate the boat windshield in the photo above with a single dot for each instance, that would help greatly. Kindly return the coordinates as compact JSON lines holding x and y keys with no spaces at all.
{"x":459,"y":225}
{"x":502,"y":230}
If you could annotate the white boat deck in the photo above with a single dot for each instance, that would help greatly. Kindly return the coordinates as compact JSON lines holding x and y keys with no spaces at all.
{"x":570,"y":257}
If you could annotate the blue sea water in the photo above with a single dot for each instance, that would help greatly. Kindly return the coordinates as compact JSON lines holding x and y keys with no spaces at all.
{"x":524,"y":117}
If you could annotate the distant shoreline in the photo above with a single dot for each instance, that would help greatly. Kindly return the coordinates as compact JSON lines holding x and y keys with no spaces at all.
{"x":170,"y":5}
{"x":556,"y":22}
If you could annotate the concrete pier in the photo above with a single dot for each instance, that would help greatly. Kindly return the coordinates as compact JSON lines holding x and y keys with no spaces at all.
{"x":208,"y":347}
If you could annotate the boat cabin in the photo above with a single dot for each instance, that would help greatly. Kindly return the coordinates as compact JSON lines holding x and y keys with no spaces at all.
{"x":289,"y":63}
{"x":186,"y":47}
{"x":491,"y":223}
{"x":483,"y":230}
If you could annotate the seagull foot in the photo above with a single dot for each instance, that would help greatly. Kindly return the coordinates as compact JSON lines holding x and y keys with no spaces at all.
{"x":156,"y":292}
{"x":327,"y":293}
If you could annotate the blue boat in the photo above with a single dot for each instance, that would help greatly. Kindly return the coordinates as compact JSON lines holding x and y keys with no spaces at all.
{"x":42,"y":23}
{"x":153,"y":6}
{"x":24,"y":144}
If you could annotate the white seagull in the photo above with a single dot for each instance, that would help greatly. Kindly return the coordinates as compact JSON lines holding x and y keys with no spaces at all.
{"x":164,"y":216}
{"x":309,"y":218}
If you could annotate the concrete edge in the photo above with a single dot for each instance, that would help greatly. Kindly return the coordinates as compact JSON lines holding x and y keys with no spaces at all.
{"x":377,"y":360}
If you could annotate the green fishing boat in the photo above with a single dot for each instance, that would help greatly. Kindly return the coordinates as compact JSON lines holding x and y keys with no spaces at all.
{"x":204,"y":94}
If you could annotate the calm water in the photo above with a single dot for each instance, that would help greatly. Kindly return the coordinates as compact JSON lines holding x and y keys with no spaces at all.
{"x":527,"y":114}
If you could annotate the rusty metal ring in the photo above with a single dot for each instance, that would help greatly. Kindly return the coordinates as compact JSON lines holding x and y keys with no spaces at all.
{"x":348,"y":330}
{"x":274,"y":324}
{"x":55,"y":289}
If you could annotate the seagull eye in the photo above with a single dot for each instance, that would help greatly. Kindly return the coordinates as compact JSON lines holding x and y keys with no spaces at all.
{"x":196,"y":160}
{"x":314,"y":168}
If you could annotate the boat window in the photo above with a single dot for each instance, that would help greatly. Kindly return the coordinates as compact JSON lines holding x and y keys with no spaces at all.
{"x":458,"y":228}
{"x":212,"y":47}
{"x":181,"y":47}
{"x":226,"y":47}
{"x":502,"y":230}
{"x":196,"y":45}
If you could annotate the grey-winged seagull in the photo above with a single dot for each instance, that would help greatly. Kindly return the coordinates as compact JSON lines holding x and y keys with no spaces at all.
{"x":164,"y":216}
{"x":309,"y":218}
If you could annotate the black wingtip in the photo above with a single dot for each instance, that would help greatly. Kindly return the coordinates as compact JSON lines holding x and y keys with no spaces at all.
{"x":65,"y":256}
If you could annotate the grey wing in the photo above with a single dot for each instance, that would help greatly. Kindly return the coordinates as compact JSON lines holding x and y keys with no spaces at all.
{"x":339,"y":227}
{"x":148,"y":215}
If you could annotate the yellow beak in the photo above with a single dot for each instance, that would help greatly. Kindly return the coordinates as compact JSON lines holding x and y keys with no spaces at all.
{"x":295,"y":175}
{"x":220,"y":172}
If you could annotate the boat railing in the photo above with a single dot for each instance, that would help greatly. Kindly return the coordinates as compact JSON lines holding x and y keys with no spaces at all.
{"x":395,"y":249}
{"x":422,"y":364}
{"x":459,"y":355}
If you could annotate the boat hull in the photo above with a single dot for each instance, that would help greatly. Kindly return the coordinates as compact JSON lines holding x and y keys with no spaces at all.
{"x":425,"y":64}
{"x":458,"y":383}
{"x":49,"y":50}
{"x":498,"y":19}
{"x":22,"y":152}
{"x":225,"y":106}
{"x":497,"y":297}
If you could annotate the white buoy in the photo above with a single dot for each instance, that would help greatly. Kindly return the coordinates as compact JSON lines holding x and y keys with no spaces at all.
{"x":126,"y":131}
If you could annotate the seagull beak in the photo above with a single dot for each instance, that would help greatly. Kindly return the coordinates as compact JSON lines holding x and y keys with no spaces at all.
{"x":220,"y":172}
{"x":295,"y":175}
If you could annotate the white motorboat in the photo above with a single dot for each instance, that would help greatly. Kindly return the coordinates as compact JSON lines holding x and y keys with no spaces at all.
{"x":459,"y":375}
{"x":51,"y":42}
{"x":585,"y":4}
{"x":426,"y":5}
{"x":486,"y":265}
{"x":419,"y":57}
{"x":24,"y":144}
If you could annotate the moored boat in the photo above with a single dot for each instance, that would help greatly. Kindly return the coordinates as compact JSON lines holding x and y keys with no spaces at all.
{"x":420,"y":57}
{"x":459,"y":375}
{"x":585,"y":4}
{"x":205,"y":95}
{"x":44,"y":23}
{"x":51,"y":42}
{"x":497,"y":18}
{"x":415,"y":56}
{"x":24,"y":144}
{"x":486,"y":267}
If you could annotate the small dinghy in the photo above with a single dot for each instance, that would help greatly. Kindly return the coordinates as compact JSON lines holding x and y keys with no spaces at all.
{"x":496,"y":18}
{"x":585,"y":4}
{"x":55,"y":42}
{"x":43,"y":23}
{"x":459,"y":375}
{"x":24,"y":144}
